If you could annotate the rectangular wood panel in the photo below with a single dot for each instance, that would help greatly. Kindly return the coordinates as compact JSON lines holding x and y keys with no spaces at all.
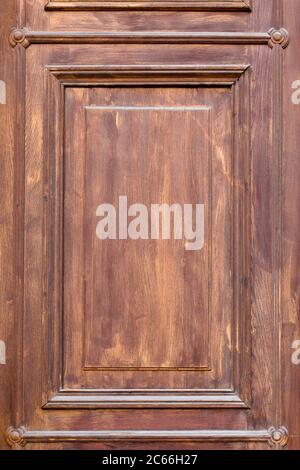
{"x":174,"y":332}
{"x":163,"y":324}
{"x":168,"y":326}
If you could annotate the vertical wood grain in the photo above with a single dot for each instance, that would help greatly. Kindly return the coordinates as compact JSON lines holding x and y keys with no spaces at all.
{"x":9,"y":285}
{"x":45,"y":352}
{"x":290,"y":303}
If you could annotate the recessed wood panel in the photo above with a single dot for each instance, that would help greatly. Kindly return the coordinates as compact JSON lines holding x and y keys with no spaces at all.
{"x":165,"y":309}
{"x":148,"y":314}
{"x":159,"y":322}
{"x":154,"y":146}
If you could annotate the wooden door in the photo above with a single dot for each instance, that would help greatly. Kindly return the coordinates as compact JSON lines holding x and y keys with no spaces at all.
{"x":144,"y":338}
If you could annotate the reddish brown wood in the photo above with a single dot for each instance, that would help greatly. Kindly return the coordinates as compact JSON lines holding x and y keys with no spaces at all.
{"x":9,"y":264}
{"x":127,"y":344}
{"x":178,"y":5}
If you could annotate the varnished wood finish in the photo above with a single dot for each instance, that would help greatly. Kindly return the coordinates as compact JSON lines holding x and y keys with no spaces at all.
{"x":177,"y":5}
{"x":125,"y":344}
{"x":191,"y":85}
{"x":10,"y":265}
{"x":290,"y":241}
{"x":26,"y":37}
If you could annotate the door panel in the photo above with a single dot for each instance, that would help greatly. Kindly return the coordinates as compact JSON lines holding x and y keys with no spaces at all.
{"x":171,"y":330}
{"x":137,"y":340}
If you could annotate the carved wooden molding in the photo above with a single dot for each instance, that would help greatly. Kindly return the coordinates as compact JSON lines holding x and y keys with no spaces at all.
{"x":24,"y":436}
{"x":25,"y":37}
{"x":18,"y":438}
{"x":18,"y":36}
{"x":279,"y":437}
{"x":172,"y":400}
{"x":221,"y":75}
{"x":279,"y":37}
{"x":15,"y":437}
{"x":136,"y":5}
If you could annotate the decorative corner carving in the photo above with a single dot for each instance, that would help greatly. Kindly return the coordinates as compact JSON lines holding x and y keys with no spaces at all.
{"x":278,"y":437}
{"x":279,"y":37}
{"x":18,"y":36}
{"x":15,"y":437}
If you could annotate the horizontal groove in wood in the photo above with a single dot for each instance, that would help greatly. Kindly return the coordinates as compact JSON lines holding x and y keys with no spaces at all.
{"x":136,"y":5}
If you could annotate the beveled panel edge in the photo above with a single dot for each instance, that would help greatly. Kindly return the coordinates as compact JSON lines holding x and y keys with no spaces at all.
{"x":26,"y":37}
{"x":224,"y":74}
{"x":146,"y":400}
{"x":19,"y":437}
{"x":92,"y":75}
{"x":152,"y":5}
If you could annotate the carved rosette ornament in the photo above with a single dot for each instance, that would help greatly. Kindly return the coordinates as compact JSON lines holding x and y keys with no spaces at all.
{"x":18,"y":36}
{"x":15,"y":437}
{"x":279,"y":37}
{"x":278,"y":437}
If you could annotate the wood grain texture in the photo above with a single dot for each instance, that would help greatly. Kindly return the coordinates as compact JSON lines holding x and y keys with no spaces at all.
{"x":26,"y":37}
{"x":22,"y":435}
{"x":89,"y":99}
{"x":177,"y":5}
{"x":10,"y":265}
{"x":152,"y":313}
{"x":86,"y":85}
{"x":290,"y":171}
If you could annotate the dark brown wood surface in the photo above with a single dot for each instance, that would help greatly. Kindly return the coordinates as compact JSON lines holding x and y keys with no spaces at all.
{"x":125,"y":344}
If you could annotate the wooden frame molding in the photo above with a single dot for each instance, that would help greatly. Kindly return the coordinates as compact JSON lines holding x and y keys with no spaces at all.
{"x":18,"y":438}
{"x":25,"y":37}
{"x":61,"y":77}
{"x":143,"y":400}
{"x":140,"y":5}
{"x":223,"y":74}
